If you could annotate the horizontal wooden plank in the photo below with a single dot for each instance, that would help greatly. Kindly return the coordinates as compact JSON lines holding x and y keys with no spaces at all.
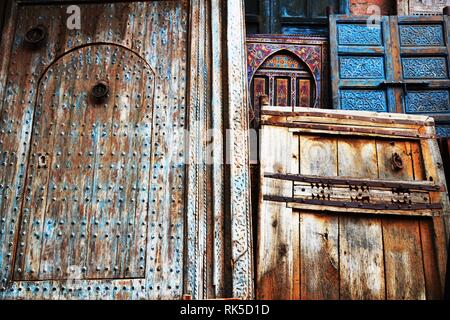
{"x":360,"y":50}
{"x":353,"y":130}
{"x":301,"y":114}
{"x":424,"y":51}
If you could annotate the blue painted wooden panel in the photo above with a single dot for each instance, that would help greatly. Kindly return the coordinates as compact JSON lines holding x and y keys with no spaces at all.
{"x":443,"y":131}
{"x":356,"y":67}
{"x":413,"y":35}
{"x":432,"y":101}
{"x":424,"y":67}
{"x":359,"y":34}
{"x":424,"y":59}
{"x":399,"y":65}
{"x":359,"y":64}
{"x":369,"y":100}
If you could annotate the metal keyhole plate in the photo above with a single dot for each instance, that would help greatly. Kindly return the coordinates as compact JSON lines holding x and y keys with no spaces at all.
{"x":100,"y":91}
{"x":397,"y":162}
{"x":35,"y":37}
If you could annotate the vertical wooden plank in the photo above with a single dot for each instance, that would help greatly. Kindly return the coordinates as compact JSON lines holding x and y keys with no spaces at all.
{"x":278,"y":238}
{"x":393,"y":67}
{"x":417,"y":161}
{"x":295,"y":227}
{"x":319,"y":232}
{"x":434,"y":280}
{"x":319,"y":253}
{"x":334,"y":64}
{"x":433,"y":172}
{"x":361,"y":258}
{"x":357,"y":158}
{"x":403,"y":259}
{"x":304,"y":93}
{"x":360,"y":238}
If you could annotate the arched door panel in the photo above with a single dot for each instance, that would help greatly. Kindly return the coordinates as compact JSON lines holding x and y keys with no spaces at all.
{"x":286,"y":80}
{"x":85,"y":205}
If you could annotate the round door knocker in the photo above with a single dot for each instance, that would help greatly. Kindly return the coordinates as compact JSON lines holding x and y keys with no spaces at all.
{"x":397,"y":162}
{"x":100,"y":91}
{"x":35,"y":37}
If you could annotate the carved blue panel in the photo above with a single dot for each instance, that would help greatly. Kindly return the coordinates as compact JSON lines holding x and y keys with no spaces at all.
{"x":359,"y":34}
{"x":443,"y":131}
{"x":368,"y":100}
{"x":425,"y":67}
{"x":361,"y":67}
{"x":436,"y":101}
{"x":421,"y":35}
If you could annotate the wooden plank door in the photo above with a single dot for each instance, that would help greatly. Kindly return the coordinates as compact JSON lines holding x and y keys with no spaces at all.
{"x":92,"y":181}
{"x":345,"y":215}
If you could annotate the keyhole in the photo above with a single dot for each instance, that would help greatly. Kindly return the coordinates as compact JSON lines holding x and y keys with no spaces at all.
{"x":100,"y":91}
{"x":42,"y":163}
{"x":397,"y":162}
{"x":35,"y":37}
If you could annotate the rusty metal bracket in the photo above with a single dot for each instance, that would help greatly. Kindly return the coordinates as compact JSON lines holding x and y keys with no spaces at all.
{"x":426,"y":186}
{"x":359,"y":205}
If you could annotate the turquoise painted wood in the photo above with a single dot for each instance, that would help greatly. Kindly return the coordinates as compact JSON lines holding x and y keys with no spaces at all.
{"x":396,"y":64}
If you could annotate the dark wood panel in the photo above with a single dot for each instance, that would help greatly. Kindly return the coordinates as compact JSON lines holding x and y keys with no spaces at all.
{"x":305,"y":17}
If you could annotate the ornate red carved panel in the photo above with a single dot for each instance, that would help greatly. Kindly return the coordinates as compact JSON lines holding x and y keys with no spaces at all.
{"x":290,"y":70}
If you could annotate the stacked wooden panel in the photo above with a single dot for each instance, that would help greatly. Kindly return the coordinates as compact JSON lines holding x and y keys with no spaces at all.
{"x":353,"y":205}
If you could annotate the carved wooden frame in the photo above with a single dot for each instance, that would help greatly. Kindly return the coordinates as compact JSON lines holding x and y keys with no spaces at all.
{"x":219,"y":193}
{"x":218,"y":258}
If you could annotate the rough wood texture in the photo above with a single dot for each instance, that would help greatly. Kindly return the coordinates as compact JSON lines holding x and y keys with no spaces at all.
{"x":355,"y":253}
{"x":278,"y":229}
{"x":404,"y":261}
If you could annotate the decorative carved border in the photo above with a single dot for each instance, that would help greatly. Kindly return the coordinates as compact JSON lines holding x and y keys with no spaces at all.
{"x":218,"y":100}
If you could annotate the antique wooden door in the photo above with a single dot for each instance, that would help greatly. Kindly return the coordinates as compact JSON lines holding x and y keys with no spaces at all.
{"x":353,"y":205}
{"x":91,"y":146}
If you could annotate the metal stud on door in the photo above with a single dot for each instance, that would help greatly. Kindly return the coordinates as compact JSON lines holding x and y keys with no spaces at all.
{"x":87,"y":197}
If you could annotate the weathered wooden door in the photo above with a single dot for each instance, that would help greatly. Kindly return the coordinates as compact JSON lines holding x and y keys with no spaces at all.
{"x":397,"y":65}
{"x":421,"y":7}
{"x":350,"y":208}
{"x":92,"y":152}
